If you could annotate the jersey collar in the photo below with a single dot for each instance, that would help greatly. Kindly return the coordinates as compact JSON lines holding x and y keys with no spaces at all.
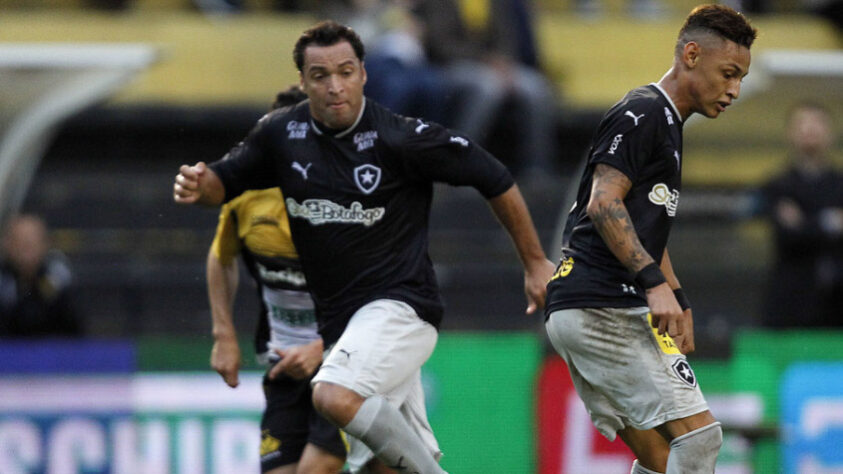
{"x":669,"y":101}
{"x":347,"y":130}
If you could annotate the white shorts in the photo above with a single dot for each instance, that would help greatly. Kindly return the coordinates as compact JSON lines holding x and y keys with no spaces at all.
{"x":381,"y":352}
{"x":625,"y":373}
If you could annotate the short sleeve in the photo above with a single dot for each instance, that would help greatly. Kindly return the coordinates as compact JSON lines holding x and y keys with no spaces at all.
{"x":226,"y":244}
{"x":434,"y":153}
{"x":626,"y":138}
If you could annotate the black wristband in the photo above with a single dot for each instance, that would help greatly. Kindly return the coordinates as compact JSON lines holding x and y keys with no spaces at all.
{"x":649,"y":276}
{"x":682,"y":298}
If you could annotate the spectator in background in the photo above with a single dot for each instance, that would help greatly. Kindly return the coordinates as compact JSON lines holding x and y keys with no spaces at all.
{"x":805,"y":206}
{"x":487,"y":52}
{"x":35,"y":294}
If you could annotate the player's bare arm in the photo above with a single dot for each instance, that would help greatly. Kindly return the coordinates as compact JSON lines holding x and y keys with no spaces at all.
{"x":299,"y":362}
{"x":222,"y":288}
{"x":198,"y":184}
{"x":685,"y":341}
{"x":611,"y":218}
{"x":511,"y":211}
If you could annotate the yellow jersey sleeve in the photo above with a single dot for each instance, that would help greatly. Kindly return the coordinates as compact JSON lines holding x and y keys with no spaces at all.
{"x":257,"y":220}
{"x":226,"y":245}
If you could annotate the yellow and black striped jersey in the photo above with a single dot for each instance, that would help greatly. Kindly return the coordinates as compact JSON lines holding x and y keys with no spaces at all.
{"x":255,"y":226}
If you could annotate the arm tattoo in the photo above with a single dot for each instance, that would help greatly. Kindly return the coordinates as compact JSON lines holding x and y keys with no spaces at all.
{"x":611,"y":218}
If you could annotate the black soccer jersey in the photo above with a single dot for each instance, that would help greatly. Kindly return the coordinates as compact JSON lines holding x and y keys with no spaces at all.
{"x":358,"y":201}
{"x":641,"y":136}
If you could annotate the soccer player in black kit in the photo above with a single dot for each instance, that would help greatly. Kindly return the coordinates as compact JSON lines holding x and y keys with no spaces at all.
{"x":358,"y":182}
{"x":616,"y":311}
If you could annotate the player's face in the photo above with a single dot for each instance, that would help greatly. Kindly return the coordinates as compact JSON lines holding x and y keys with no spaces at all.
{"x":333,"y":78}
{"x":716,"y":79}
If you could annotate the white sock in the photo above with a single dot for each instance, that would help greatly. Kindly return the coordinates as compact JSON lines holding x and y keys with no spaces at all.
{"x":695,"y":452}
{"x":387,"y":434}
{"x":639,"y":469}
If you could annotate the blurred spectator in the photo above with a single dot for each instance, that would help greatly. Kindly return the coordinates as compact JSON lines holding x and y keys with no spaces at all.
{"x":487,"y":51}
{"x":35,"y":298}
{"x":805,"y":205}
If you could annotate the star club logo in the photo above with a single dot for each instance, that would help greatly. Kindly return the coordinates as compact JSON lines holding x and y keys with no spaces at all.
{"x":684,"y":372}
{"x":367,"y":177}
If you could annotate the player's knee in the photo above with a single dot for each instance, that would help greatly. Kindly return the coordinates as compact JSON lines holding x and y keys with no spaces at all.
{"x":695,"y":452}
{"x":705,"y":441}
{"x":324,"y":398}
{"x":717,"y":438}
{"x":336,"y":403}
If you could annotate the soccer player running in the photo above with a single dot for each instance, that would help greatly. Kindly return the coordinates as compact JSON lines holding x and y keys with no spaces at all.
{"x":294,"y":437}
{"x":358,"y":184}
{"x":616,"y":311}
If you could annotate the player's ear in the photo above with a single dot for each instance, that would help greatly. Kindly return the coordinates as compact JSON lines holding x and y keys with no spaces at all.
{"x":302,"y":84}
{"x":363,"y":69}
{"x":691,"y":54}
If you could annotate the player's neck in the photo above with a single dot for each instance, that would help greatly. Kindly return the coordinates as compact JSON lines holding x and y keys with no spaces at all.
{"x":672,"y":86}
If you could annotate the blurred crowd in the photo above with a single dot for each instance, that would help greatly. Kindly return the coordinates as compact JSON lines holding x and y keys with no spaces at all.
{"x":585,"y":9}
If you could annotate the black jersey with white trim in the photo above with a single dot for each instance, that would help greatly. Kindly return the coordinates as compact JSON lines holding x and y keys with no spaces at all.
{"x":358,"y":201}
{"x":641,"y":136}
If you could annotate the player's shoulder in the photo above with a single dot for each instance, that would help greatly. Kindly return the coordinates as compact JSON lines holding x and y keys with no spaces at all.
{"x":386,"y":121}
{"x":638,"y":104}
{"x":283,"y":116}
{"x":397,"y":130}
{"x":641,"y":108}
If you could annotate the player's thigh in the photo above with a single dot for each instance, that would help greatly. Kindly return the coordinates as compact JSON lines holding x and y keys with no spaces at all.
{"x":285,"y":422}
{"x":383,"y":346}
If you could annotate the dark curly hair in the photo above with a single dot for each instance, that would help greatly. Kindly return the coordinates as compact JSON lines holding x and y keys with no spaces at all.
{"x":719,"y":20}
{"x":326,"y":33}
{"x":289,"y":96}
